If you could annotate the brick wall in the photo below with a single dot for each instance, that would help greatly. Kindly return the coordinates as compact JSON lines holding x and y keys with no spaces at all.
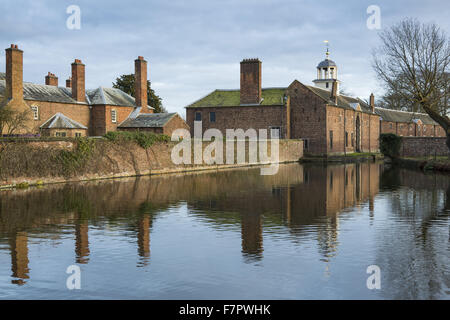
{"x":308,"y":118}
{"x":70,"y":133}
{"x":243,"y":117}
{"x":175,"y":123}
{"x":411,"y":129}
{"x":101,"y":116}
{"x":423,"y":146}
{"x":77,"y":112}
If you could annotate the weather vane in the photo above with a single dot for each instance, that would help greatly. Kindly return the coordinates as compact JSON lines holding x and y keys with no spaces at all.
{"x":328,"y":52}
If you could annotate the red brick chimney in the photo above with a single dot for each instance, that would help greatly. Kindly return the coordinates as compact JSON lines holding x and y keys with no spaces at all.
{"x":14,"y":73}
{"x":250,"y":81}
{"x":51,"y":79}
{"x":334,"y":92}
{"x":78,"y":81}
{"x":69,"y":83}
{"x":140,"y":83}
{"x":372,"y":102}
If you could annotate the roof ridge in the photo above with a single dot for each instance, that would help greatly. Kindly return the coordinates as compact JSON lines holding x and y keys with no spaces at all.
{"x":102,"y":95}
{"x":394,"y":110}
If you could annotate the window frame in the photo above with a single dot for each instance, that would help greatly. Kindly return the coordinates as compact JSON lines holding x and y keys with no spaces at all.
{"x":113,"y":115}
{"x":35,"y":110}
{"x":212,"y":114}
{"x":197,"y":113}
{"x":279,"y":132}
{"x":331,"y":139}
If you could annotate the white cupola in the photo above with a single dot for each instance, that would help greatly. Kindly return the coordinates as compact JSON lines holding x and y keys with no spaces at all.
{"x":326,"y":72}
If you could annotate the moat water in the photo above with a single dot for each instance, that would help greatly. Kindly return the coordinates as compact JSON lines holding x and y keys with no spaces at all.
{"x":308,"y":232}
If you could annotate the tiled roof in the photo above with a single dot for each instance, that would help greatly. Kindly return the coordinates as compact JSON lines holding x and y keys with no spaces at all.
{"x":109,"y":96}
{"x":272,"y":96}
{"x":41,"y":92}
{"x":60,"y":121}
{"x":403,"y":116}
{"x":345,"y":102}
{"x":147,"y":120}
{"x":231,"y":98}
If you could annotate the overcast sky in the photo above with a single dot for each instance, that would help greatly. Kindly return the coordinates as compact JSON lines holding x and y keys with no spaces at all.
{"x":194,"y":47}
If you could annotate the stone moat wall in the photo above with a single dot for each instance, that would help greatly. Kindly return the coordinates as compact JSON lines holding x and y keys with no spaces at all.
{"x":40,"y":162}
{"x":423,"y":146}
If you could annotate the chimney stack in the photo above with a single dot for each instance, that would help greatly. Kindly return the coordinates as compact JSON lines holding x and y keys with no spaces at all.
{"x":51,"y":79}
{"x":334,"y":92}
{"x":372,"y":102}
{"x":14,"y":73}
{"x":69,"y":83}
{"x":140,"y":83}
{"x":78,"y":81}
{"x":250,"y":81}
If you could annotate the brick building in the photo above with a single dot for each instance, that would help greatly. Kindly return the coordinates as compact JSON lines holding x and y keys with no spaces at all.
{"x":163,"y":123}
{"x":408,"y":124}
{"x":329,"y":123}
{"x":92,"y":111}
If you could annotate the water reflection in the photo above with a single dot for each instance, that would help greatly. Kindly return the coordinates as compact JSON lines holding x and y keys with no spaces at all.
{"x":302,"y":204}
{"x":19,"y":257}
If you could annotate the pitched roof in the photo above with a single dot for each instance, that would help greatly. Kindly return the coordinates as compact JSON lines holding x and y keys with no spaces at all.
{"x":231,"y":98}
{"x":41,"y":92}
{"x":147,"y":120}
{"x":403,"y":116}
{"x":272,"y":96}
{"x":60,"y":121}
{"x":109,"y":96}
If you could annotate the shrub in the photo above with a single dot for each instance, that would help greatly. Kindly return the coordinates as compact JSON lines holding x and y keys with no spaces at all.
{"x":143,"y":139}
{"x":77,"y":158}
{"x":390,"y":144}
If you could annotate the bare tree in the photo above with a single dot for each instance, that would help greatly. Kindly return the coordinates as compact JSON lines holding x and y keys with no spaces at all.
{"x":413,"y":62}
{"x":13,"y":121}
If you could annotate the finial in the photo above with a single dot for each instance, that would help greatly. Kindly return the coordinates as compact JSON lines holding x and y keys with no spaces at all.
{"x":328,"y":51}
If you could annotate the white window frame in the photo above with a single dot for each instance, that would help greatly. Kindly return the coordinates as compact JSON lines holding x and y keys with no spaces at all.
{"x":113,"y":116}
{"x":35,"y":110}
{"x":271,"y":129}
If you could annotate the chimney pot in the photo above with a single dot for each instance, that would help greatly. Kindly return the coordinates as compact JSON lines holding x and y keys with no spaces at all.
{"x":334,"y":92}
{"x":51,"y":79}
{"x":14,"y":73}
{"x":372,"y":102}
{"x":250,"y":89}
{"x":140,"y":83}
{"x":78,"y":81}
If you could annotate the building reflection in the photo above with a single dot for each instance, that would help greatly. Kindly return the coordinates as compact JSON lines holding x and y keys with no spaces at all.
{"x":305,"y":199}
{"x":252,"y":240}
{"x":18,"y":242}
{"x":82,"y":241}
{"x":143,"y":239}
